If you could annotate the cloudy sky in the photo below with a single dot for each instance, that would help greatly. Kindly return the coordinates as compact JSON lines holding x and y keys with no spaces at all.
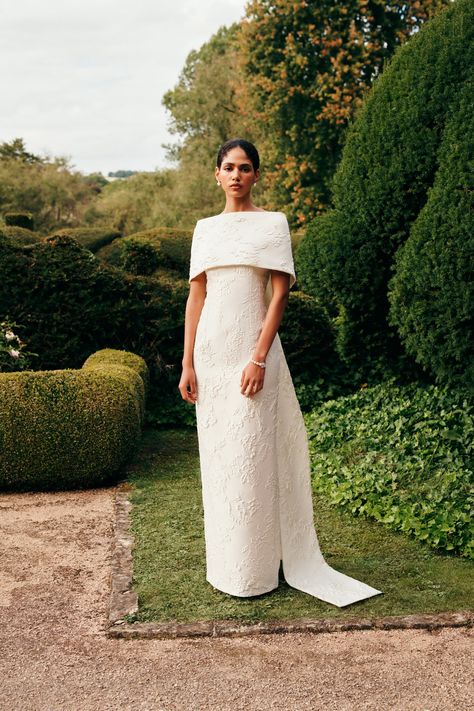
{"x":85,"y":78}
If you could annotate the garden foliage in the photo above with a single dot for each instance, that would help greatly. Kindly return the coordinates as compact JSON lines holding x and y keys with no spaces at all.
{"x":145,"y":252}
{"x":432,"y":291}
{"x":63,"y":429}
{"x":69,"y":305}
{"x":391,"y":157}
{"x":92,"y":238}
{"x":307,"y":67}
{"x":403,"y":456}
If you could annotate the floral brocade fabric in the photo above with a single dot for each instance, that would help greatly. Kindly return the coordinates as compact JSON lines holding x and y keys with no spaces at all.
{"x":254,"y":458}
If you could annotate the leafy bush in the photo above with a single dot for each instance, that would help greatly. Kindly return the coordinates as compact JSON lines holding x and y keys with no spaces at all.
{"x":170,"y":247}
{"x":63,"y":429}
{"x":307,"y":337}
{"x":432,"y":291}
{"x":19,"y":219}
{"x":389,"y":161}
{"x":403,"y":456}
{"x":70,"y":305}
{"x":92,"y":238}
{"x":21,"y":235}
{"x":140,"y":257}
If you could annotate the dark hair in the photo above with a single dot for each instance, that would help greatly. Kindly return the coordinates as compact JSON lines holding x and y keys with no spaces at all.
{"x":249,"y":148}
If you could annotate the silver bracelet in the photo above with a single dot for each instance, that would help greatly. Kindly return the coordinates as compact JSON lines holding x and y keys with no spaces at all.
{"x":261,"y":364}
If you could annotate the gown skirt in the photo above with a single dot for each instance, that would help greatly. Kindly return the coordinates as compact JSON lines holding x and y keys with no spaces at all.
{"x":254,"y":455}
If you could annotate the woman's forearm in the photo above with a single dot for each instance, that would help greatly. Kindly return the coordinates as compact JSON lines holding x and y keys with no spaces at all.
{"x":194,"y":305}
{"x":271,"y":324}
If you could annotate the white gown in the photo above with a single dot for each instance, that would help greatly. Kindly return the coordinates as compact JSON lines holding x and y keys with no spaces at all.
{"x":254,"y":458}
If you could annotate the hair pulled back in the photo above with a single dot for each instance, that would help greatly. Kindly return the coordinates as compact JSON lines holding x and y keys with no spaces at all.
{"x":249,"y":148}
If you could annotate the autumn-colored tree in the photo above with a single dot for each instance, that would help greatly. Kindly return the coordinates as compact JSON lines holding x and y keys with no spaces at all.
{"x":308,"y":66}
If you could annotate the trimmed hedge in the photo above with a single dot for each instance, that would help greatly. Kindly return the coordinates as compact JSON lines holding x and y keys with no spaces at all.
{"x":64,"y":429}
{"x":21,"y":235}
{"x":92,"y":238}
{"x":402,"y":456}
{"x":70,"y":305}
{"x":432,"y":292}
{"x":20,"y":219}
{"x":308,"y":339}
{"x":157,"y":251}
{"x":165,"y":247}
{"x":389,"y":162}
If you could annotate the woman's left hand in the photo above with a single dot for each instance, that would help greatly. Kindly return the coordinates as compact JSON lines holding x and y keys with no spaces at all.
{"x":251,"y":380}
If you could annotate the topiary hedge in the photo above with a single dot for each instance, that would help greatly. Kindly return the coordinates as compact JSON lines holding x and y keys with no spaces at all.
{"x":389,"y":162}
{"x":162,"y":247}
{"x":19,"y":219}
{"x":70,"y":305}
{"x":308,"y":338}
{"x":92,"y":238}
{"x":432,"y":291}
{"x":21,"y":235}
{"x":64,"y":429}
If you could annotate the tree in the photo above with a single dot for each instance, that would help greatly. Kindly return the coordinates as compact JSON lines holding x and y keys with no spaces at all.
{"x":15,"y":150}
{"x":45,"y":185}
{"x":309,"y":66}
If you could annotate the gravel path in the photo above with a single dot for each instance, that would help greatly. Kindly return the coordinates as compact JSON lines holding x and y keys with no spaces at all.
{"x":54,"y":654}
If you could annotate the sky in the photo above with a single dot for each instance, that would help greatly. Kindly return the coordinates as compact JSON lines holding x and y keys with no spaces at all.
{"x":85,"y":78}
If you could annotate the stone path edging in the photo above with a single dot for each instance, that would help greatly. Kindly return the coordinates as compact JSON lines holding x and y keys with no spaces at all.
{"x":123,"y":601}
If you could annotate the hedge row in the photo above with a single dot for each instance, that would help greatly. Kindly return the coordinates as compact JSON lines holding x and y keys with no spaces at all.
{"x":159,"y":250}
{"x":148,"y":251}
{"x":21,"y":235}
{"x":92,"y":238}
{"x":70,"y":305}
{"x":403,"y":456}
{"x":64,"y":429}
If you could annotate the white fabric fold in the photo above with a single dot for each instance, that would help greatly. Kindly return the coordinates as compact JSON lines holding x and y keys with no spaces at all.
{"x":258,"y":239}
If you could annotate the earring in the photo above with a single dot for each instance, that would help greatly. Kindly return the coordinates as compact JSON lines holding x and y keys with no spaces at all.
{"x":218,"y":182}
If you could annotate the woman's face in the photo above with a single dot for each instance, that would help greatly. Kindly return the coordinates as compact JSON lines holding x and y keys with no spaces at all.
{"x":236,"y":173}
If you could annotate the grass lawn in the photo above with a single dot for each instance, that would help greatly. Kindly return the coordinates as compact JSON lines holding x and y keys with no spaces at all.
{"x":169,"y":553}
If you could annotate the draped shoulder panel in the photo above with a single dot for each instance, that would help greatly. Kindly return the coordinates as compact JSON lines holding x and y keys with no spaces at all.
{"x":260,"y":239}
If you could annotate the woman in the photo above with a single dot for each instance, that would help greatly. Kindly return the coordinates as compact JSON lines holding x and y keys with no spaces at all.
{"x":254,"y":458}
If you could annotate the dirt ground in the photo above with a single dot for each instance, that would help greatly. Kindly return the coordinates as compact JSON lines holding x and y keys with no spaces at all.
{"x":54,"y":654}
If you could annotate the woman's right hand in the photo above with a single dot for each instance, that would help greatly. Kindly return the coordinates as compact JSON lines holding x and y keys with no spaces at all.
{"x":187,"y":385}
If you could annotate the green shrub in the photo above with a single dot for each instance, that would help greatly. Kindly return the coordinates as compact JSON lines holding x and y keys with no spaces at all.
{"x":70,"y":305}
{"x":19,"y":219}
{"x":66,"y":429}
{"x":140,"y":257}
{"x":108,"y":359}
{"x":171,"y":248}
{"x":307,"y":337}
{"x":92,"y":238}
{"x":402,"y":456}
{"x":389,"y":161}
{"x":21,"y":235}
{"x":432,"y":291}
